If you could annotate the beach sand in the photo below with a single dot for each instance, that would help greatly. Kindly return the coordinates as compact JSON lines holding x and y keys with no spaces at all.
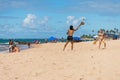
{"x":49,"y":62}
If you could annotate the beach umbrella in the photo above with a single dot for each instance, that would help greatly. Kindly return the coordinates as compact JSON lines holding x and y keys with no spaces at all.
{"x":76,"y":39}
{"x":51,"y":39}
{"x":115,"y":37}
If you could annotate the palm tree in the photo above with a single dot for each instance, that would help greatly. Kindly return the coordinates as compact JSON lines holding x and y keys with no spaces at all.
{"x":119,"y":34}
{"x":117,"y":30}
{"x":112,"y":32}
{"x":107,"y":32}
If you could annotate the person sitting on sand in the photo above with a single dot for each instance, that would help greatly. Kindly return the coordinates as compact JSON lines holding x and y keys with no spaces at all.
{"x":15,"y":49}
{"x":70,"y":35}
{"x":101,"y":38}
{"x":28,"y":44}
{"x":10,"y":45}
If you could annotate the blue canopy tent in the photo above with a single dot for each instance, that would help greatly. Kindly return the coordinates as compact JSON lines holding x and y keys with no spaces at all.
{"x":76,"y":39}
{"x":115,"y":37}
{"x":52,"y":39}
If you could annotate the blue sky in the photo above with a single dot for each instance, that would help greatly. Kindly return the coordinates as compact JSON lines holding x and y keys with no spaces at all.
{"x":45,"y":18}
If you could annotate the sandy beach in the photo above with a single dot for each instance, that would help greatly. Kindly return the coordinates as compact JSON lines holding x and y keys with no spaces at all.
{"x":49,"y":62}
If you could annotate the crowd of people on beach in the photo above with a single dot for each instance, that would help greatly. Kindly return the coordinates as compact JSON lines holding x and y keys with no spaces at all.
{"x":14,"y":48}
{"x":100,"y":38}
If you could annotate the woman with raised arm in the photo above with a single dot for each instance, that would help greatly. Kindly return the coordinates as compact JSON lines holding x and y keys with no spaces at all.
{"x":70,"y":35}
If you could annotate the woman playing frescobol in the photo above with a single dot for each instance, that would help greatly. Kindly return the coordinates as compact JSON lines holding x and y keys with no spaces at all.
{"x":100,"y":38}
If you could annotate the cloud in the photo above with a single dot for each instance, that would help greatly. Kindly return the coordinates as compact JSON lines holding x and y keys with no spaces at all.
{"x":29,"y":21}
{"x":82,"y":18}
{"x":107,"y":7}
{"x":101,"y":7}
{"x":46,"y":18}
{"x":67,"y":22}
{"x":71,"y":20}
{"x":8,"y":28}
{"x":75,"y":22}
{"x":35,"y":23}
{"x":43,"y":21}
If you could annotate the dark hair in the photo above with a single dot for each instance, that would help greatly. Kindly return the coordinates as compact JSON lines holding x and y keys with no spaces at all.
{"x":71,"y":27}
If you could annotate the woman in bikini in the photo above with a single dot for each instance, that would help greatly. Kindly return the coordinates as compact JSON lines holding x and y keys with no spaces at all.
{"x":70,"y":35}
{"x":101,"y":38}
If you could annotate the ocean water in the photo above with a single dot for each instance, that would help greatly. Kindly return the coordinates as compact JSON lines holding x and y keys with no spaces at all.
{"x":4,"y":47}
{"x":5,"y":41}
{"x":4,"y":44}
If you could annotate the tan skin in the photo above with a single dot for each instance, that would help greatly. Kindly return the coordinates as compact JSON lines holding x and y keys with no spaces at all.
{"x":10,"y":45}
{"x":10,"y":42}
{"x":101,"y":39}
{"x":70,"y":33}
{"x":16,"y":49}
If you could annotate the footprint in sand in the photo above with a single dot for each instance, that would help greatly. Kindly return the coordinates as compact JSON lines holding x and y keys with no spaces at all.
{"x":92,"y":57}
{"x":92,"y":49}
{"x":93,"y":68}
{"x":99,"y":78}
{"x":54,"y":63}
{"x":81,"y":78}
{"x":16,"y":78}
